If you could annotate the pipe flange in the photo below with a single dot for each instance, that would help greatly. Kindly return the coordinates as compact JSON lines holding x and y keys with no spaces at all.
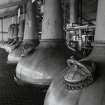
{"x":79,"y":74}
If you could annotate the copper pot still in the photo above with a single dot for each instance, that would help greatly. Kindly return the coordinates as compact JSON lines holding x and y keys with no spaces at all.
{"x":67,"y":89}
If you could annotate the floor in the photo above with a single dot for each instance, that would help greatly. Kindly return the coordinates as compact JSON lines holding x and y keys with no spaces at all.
{"x":12,"y":93}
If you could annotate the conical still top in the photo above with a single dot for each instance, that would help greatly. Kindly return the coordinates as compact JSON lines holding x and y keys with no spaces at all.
{"x":29,"y":34}
{"x":50,"y":56}
{"x":30,"y":21}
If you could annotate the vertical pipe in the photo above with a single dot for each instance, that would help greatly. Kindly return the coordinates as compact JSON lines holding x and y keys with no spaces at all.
{"x":52,"y":26}
{"x":21,"y":29}
{"x":2,"y":28}
{"x":73,"y":11}
{"x":23,"y":9}
{"x":21,"y":22}
{"x":80,"y":12}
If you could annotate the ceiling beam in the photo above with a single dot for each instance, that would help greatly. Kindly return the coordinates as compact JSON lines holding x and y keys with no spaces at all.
{"x":10,"y":4}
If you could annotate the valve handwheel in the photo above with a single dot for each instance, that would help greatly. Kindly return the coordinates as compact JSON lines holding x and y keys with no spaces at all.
{"x":79,"y":74}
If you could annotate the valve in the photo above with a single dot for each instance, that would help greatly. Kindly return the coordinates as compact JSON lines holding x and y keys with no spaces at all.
{"x":79,"y":74}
